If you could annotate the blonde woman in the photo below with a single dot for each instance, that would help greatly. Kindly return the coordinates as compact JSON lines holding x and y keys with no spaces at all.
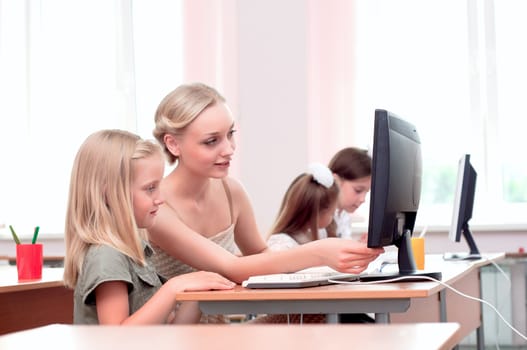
{"x":207,"y":214}
{"x":114,"y":194}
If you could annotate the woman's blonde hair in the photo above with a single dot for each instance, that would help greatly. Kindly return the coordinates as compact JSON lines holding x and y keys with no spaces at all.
{"x":179,"y":108}
{"x":100,"y":208}
{"x":302,"y":203}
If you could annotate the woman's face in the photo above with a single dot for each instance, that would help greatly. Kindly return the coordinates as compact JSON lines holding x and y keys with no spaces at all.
{"x":352,"y":193}
{"x":207,"y":144}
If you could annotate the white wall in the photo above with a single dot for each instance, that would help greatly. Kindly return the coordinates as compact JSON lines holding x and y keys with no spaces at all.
{"x":273,"y":143}
{"x":295,"y":74}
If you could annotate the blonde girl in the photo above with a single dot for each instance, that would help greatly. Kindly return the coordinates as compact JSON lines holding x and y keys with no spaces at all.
{"x":114,"y":195}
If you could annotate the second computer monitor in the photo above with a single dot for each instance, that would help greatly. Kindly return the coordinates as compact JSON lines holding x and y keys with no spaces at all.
{"x":463,"y":207}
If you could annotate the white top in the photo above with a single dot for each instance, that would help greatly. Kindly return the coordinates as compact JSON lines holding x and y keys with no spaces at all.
{"x":343,"y":221}
{"x":284,"y":241}
{"x":281,"y":241}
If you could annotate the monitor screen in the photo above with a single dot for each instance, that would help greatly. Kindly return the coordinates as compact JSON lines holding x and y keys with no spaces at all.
{"x":395,"y":189}
{"x":463,"y":206}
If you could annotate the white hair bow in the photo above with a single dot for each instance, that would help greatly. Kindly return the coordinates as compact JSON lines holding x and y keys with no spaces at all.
{"x":321,"y":174}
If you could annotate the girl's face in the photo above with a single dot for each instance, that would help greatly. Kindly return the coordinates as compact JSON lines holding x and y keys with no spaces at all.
{"x":352,"y":192}
{"x":326,"y":216}
{"x":207,"y":145}
{"x":146,"y":198}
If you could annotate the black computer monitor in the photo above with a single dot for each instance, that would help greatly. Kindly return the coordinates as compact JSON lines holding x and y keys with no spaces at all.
{"x":395,"y":192}
{"x":463,"y":206}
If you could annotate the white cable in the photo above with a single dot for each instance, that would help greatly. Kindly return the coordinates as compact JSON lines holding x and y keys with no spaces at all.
{"x":401,"y":278}
{"x":498,"y":267}
{"x":509,"y":284}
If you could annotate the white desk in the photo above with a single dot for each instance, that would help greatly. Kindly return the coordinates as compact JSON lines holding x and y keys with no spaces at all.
{"x":430,"y":336}
{"x":385,"y":300}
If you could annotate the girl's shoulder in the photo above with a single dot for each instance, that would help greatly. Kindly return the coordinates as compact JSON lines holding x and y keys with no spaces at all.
{"x":281,"y":241}
{"x":104,"y":253}
{"x":102,"y":263}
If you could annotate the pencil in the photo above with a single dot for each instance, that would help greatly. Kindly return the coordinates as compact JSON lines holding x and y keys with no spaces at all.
{"x":35,"y":234}
{"x":15,"y":237}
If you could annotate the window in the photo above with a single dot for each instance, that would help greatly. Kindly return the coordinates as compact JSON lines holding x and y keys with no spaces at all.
{"x":68,"y":69}
{"x":455,"y":70}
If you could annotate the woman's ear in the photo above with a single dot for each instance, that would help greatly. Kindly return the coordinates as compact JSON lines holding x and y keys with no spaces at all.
{"x":172,"y":144}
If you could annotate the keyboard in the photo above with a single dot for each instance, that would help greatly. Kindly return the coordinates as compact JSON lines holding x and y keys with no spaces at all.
{"x":297,"y":279}
{"x":461,"y":256}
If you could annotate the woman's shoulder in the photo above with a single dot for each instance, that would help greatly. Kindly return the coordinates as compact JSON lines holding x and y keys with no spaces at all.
{"x":233,"y":183}
{"x":235,"y":187}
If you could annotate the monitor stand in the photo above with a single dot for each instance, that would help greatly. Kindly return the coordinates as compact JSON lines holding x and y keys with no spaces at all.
{"x":452,"y":256}
{"x":407,"y":268}
{"x":474,"y":253}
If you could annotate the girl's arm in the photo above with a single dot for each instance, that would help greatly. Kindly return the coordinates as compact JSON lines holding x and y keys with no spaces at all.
{"x":112,"y":298}
{"x":178,"y":240}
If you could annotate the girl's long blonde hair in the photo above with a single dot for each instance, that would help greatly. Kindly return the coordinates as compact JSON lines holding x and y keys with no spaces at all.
{"x":100,"y":208}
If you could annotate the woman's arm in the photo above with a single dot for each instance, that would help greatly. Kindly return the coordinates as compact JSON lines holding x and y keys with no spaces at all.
{"x":178,"y":240}
{"x":246,"y":233}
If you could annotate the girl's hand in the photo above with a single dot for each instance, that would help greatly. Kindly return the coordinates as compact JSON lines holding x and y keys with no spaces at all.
{"x":201,"y":280}
{"x":347,"y":255}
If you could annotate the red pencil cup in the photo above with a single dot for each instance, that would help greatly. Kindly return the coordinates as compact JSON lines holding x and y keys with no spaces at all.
{"x":29,"y":259}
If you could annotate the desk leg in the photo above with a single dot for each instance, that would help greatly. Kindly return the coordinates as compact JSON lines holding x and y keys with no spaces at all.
{"x":382,"y":317}
{"x":442,"y":306}
{"x":332,"y":318}
{"x":442,"y":310}
{"x":480,"y":339}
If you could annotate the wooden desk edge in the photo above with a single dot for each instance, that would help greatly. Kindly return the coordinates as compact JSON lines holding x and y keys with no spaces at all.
{"x":31,"y":285}
{"x":336,"y":291}
{"x":442,"y":336}
{"x":51,"y":277}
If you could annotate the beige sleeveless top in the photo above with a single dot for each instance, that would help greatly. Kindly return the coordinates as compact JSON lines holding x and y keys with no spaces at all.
{"x":168,"y":266}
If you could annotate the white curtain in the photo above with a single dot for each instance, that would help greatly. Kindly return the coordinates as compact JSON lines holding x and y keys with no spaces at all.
{"x":454,"y":68}
{"x":69,"y":68}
